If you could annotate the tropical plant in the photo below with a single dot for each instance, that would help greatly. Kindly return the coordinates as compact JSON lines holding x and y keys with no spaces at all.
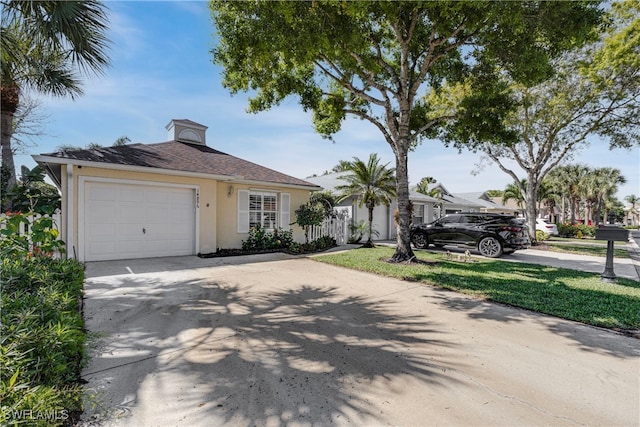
{"x":33,"y":194}
{"x":435,"y":192}
{"x":633,"y":199}
{"x":376,"y":60}
{"x":513,"y":192}
{"x":600,"y":186}
{"x":46,"y":47}
{"x":370,"y":184}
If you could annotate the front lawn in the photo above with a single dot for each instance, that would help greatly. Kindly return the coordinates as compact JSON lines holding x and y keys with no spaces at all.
{"x":582,"y":249}
{"x":591,"y":248}
{"x":568,"y":294}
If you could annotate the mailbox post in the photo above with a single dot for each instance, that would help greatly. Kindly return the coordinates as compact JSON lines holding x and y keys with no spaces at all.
{"x":610,"y":234}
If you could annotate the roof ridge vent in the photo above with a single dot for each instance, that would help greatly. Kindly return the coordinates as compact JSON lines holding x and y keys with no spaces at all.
{"x":185,"y":130}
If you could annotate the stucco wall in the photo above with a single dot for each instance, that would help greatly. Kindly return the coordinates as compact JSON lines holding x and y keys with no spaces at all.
{"x":218,"y":214}
{"x":227,"y":207}
{"x":207,"y":189}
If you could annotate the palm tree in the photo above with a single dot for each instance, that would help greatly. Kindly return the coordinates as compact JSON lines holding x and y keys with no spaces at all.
{"x":633,"y":199}
{"x":436,"y":192}
{"x":46,"y":46}
{"x":571,"y":179}
{"x":512,"y":191}
{"x":601,"y":185}
{"x":371,"y":184}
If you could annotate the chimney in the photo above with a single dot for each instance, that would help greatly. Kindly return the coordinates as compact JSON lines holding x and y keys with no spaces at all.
{"x":184,"y":130}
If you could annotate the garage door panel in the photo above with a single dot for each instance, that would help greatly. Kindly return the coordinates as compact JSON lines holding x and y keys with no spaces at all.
{"x":102,"y":194}
{"x":131,"y":212}
{"x":102,"y":211}
{"x":130,"y":248}
{"x":131,"y":194}
{"x":116,"y":215}
{"x":156,"y":215}
{"x":101,"y":231}
{"x":99,"y":249}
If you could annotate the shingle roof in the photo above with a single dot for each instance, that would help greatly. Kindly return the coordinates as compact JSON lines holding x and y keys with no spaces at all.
{"x":332,"y":180}
{"x":181,"y":156}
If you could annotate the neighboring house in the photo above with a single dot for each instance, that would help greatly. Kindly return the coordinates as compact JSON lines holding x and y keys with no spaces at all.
{"x":631,"y":216}
{"x":451,"y":203}
{"x":178,"y":197}
{"x":490,"y":204}
{"x":511,"y":207}
{"x":383,"y":216}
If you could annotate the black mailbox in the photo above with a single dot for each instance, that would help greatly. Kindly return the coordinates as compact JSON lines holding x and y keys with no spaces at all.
{"x":612,"y":234}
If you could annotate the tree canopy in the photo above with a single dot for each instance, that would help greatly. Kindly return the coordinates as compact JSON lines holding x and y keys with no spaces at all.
{"x":46,"y":47}
{"x":376,"y":61}
{"x":595,"y":91}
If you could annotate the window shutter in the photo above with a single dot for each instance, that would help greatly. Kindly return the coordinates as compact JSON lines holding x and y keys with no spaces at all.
{"x":243,"y":211}
{"x":285,"y":211}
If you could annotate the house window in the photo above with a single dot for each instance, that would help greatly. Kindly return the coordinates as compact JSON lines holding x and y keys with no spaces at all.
{"x":263,"y":210}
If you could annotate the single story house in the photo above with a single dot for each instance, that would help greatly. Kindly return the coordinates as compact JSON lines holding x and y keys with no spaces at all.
{"x":383,"y":220}
{"x":179,"y":197}
{"x":490,"y":204}
{"x":451,"y":203}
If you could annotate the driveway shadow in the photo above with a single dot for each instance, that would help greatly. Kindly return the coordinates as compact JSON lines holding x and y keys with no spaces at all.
{"x":212,"y":352}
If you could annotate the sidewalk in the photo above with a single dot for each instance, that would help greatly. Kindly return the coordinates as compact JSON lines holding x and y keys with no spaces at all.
{"x":628,"y":268}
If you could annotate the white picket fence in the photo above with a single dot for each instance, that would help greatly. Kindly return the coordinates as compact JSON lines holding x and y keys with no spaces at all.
{"x":337,"y":227}
{"x":24,"y":228}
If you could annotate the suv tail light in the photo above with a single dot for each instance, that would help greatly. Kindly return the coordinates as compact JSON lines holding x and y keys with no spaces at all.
{"x":512,"y":228}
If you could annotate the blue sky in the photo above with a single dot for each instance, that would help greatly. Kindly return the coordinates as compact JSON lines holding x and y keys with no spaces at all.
{"x":162,"y":69}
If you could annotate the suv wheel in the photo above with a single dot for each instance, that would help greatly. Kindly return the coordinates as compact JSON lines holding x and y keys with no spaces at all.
{"x":420,"y":241}
{"x":490,"y":247}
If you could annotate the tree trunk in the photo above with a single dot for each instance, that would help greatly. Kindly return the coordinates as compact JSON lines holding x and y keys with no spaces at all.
{"x":530,"y":205}
{"x":403,"y":248}
{"x":9,"y":99}
{"x":369,"y":243}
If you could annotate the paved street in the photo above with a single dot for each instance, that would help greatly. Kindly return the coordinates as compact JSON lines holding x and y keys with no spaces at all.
{"x":275,"y":340}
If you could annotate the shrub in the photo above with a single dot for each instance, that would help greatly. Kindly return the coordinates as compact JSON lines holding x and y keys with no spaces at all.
{"x":41,"y":237}
{"x":261,"y":239}
{"x":541,"y":236}
{"x":42,"y":338}
{"x":319,"y":244}
{"x":576,"y":230}
{"x":357,"y":231}
{"x":41,"y":327}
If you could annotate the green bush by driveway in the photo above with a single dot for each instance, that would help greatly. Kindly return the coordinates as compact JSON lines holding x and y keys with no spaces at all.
{"x":42,"y":333}
{"x":559,"y":292}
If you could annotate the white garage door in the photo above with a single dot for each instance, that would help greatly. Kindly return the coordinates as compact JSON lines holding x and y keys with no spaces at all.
{"x":137,"y":221}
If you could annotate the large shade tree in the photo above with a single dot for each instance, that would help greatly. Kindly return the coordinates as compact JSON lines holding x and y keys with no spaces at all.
{"x":595,"y":92}
{"x":377,"y":60}
{"x":46,"y":47}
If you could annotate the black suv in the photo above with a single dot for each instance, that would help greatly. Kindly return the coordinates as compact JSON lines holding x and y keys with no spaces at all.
{"x":492,"y":234}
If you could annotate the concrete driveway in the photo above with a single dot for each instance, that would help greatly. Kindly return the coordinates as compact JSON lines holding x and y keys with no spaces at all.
{"x":275,"y":340}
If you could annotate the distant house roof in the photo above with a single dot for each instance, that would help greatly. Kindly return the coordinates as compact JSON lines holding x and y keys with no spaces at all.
{"x":511,"y":204}
{"x":175,"y":156}
{"x":331,"y":181}
{"x":479,"y":198}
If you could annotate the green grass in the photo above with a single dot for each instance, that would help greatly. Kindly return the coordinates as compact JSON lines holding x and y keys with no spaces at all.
{"x":568,"y":294}
{"x":585,"y":249}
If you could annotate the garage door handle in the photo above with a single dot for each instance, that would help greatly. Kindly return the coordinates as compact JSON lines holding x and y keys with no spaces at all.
{"x":144,"y":231}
